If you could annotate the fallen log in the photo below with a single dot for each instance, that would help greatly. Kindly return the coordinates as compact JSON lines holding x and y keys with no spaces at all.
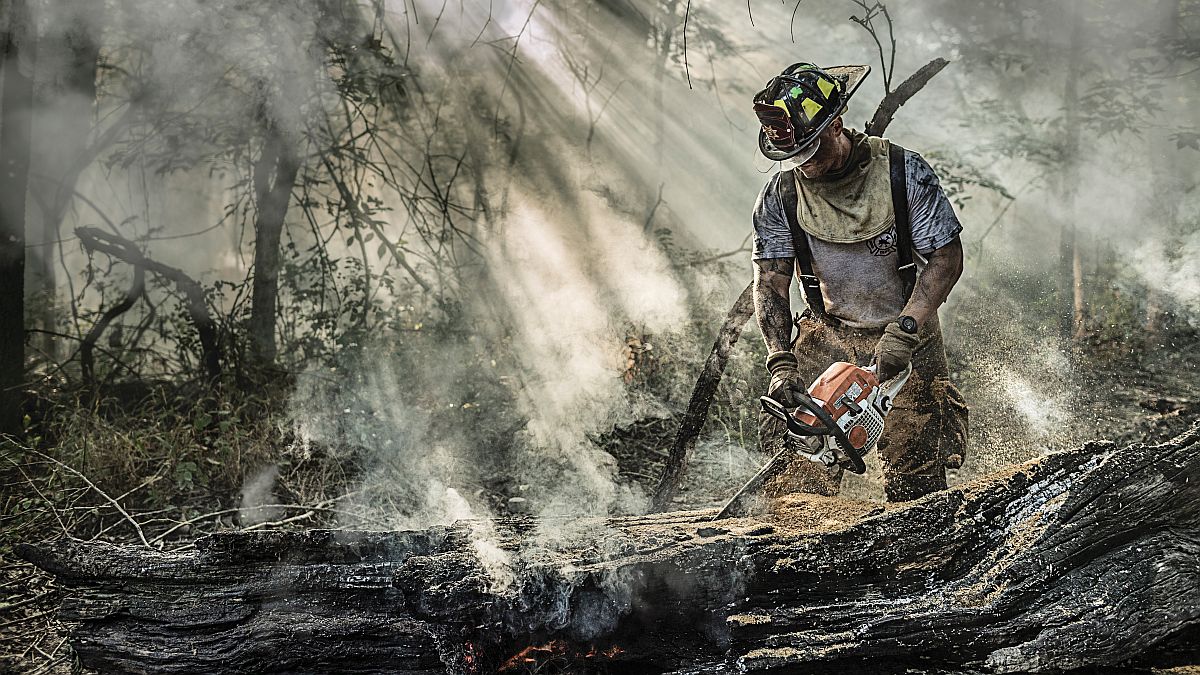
{"x":1083,"y":558}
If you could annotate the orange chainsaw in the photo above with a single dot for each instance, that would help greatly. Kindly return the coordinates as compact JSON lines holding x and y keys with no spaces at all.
{"x":838,"y":422}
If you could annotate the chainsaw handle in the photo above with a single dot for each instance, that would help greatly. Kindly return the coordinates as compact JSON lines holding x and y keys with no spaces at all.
{"x":775,"y":409}
{"x":891,"y":388}
{"x":830,"y":428}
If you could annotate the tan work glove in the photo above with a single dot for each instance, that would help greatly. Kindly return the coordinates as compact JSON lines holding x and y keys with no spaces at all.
{"x":894,"y":351}
{"x":786,"y":384}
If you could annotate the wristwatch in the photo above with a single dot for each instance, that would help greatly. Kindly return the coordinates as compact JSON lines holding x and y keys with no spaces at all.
{"x":907,"y":324}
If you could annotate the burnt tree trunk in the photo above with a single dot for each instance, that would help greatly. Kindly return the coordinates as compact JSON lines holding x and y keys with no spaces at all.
{"x":274,"y":177}
{"x":68,"y":61}
{"x":16,"y":113}
{"x":1083,"y":558}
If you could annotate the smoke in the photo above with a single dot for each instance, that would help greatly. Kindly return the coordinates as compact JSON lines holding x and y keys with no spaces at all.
{"x":258,"y":503}
{"x":1170,"y":267}
{"x":558,"y":142}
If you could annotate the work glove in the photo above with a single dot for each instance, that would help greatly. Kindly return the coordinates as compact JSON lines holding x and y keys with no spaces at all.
{"x":894,"y":351}
{"x":786,"y":385}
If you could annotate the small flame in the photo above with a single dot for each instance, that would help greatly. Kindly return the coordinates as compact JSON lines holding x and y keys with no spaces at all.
{"x":535,"y":653}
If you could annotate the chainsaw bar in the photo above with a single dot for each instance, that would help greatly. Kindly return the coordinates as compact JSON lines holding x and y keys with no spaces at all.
{"x":738,"y":505}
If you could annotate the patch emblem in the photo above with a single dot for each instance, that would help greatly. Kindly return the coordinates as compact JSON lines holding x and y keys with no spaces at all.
{"x":884,"y":244}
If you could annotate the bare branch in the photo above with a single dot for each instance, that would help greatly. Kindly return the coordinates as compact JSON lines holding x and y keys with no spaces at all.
{"x":117,"y":505}
{"x":197,"y":308}
{"x":894,"y":99}
{"x":136,"y":290}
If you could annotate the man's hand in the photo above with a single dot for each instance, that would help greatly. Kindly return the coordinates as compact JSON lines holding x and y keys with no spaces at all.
{"x":894,"y":352}
{"x":786,"y":384}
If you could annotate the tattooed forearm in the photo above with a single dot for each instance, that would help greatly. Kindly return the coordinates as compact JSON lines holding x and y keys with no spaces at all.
{"x":772,"y":307}
{"x":939,"y":276}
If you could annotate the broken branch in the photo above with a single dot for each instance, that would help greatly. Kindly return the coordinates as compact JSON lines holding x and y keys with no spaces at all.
{"x":94,"y":239}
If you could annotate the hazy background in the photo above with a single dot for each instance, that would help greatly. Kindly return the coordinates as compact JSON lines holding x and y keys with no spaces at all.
{"x":516,"y":226}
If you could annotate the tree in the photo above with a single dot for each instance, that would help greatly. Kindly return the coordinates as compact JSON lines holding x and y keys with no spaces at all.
{"x":16,"y":108}
{"x":273,"y":179}
{"x":66,"y":140}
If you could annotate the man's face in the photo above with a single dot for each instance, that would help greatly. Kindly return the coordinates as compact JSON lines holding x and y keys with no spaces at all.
{"x":829,"y":155}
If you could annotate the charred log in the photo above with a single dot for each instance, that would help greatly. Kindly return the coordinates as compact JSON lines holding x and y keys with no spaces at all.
{"x":1083,"y":558}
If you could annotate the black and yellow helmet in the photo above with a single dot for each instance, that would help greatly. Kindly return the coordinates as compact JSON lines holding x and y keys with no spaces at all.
{"x":799,"y":103}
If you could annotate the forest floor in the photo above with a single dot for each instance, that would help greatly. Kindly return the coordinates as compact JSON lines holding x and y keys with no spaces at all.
{"x":1110,"y":395}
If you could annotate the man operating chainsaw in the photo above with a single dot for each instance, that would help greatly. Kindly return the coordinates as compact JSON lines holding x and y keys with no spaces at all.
{"x":865,"y":227}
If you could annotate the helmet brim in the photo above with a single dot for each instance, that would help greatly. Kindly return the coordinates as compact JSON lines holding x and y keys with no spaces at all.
{"x":854,"y":77}
{"x":799,"y":154}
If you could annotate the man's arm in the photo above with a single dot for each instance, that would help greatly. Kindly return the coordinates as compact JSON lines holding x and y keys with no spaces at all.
{"x":933,"y":286}
{"x":772,"y":304}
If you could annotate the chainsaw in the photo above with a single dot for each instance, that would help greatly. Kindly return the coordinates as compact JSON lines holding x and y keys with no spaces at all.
{"x":839,"y":421}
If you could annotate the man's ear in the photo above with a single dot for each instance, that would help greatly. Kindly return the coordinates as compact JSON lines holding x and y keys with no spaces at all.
{"x":835,"y":127}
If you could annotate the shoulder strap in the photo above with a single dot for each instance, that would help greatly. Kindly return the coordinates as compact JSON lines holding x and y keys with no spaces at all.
{"x":809,"y":283}
{"x":904,"y":253}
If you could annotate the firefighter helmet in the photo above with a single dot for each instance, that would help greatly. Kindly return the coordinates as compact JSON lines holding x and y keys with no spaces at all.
{"x":798,"y":104}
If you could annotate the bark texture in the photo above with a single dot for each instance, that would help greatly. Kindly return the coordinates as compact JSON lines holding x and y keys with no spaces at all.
{"x":1083,"y":558}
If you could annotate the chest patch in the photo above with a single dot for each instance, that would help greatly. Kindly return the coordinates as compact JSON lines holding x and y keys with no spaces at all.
{"x":884,"y":244}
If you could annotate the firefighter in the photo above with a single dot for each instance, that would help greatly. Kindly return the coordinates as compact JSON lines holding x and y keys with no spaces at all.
{"x":864,"y":227}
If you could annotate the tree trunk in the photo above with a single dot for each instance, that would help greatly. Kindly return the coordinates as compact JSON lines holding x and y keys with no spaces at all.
{"x":663,"y":31}
{"x":274,"y":176}
{"x":16,"y":113}
{"x":697,"y":410}
{"x":1071,"y":272}
{"x":1083,"y":558}
{"x":67,"y":61}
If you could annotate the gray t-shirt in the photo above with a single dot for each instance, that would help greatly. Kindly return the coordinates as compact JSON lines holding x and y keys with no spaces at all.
{"x":859,"y":282}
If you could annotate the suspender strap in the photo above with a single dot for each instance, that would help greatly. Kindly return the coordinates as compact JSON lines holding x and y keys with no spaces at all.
{"x":904,"y":251}
{"x":809,"y":283}
{"x":905,"y":267}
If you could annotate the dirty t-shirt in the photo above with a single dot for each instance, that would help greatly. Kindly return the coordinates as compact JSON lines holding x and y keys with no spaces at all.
{"x":859,"y":282}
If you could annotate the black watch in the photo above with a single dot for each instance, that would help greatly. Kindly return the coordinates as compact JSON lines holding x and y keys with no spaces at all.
{"x":907,"y":324}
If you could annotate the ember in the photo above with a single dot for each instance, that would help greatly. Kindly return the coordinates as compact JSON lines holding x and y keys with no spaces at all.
{"x":470,"y":660}
{"x":534,"y":654}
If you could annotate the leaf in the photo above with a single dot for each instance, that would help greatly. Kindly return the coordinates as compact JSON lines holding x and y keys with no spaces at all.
{"x":1186,"y":139}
